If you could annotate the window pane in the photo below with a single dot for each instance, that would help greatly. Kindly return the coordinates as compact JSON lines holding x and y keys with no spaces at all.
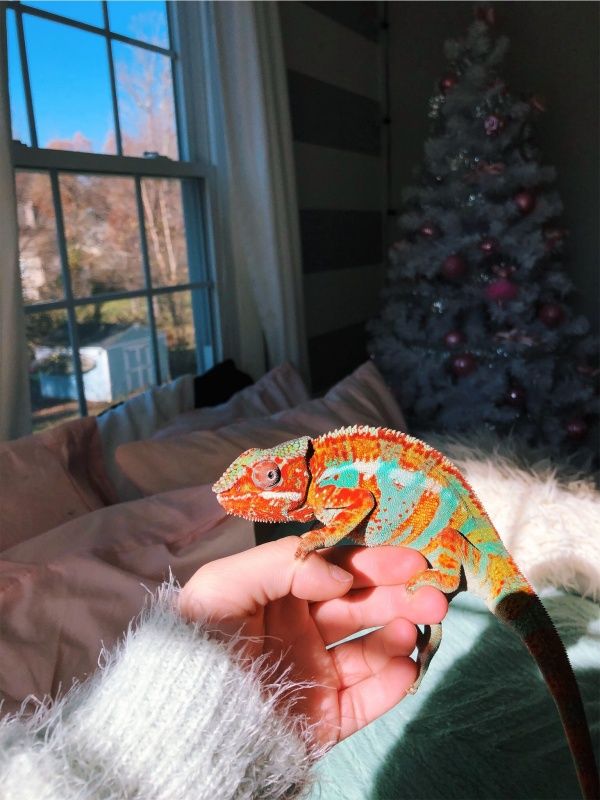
{"x":39,"y":259}
{"x":89,"y":11}
{"x":68,"y":69}
{"x":145,"y":98}
{"x":116,"y":351}
{"x":165,"y":231}
{"x":174,"y":321}
{"x":51,"y":375}
{"x":101,"y":227}
{"x":140,"y":20}
{"x":16,"y":90}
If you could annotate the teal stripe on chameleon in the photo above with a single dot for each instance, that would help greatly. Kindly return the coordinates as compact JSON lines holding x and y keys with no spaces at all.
{"x":346,"y":476}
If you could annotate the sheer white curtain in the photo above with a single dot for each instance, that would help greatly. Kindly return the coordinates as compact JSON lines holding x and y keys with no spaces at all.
{"x":15,"y":418}
{"x":258,"y":185}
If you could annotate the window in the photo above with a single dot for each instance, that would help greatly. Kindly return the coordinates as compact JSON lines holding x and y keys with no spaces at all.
{"x":115,"y":260}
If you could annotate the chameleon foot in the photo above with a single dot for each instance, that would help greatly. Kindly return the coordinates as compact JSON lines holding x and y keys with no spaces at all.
{"x":312,"y":540}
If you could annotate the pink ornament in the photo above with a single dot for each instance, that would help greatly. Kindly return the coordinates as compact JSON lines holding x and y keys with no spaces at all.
{"x":429,"y":230}
{"x":454,"y":267}
{"x":525,"y":201}
{"x":501,"y":291}
{"x":551,"y":314}
{"x":448,"y":82}
{"x":493,"y":124}
{"x":489,"y":245}
{"x":463,"y":364}
{"x":454,"y":338}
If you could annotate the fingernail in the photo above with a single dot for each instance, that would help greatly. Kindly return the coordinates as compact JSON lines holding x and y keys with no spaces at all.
{"x":339,"y":574}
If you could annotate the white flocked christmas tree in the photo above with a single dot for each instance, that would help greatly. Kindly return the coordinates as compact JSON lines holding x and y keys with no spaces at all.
{"x":475,"y":328}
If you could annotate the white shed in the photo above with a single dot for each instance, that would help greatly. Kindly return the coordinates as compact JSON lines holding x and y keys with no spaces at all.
{"x":113,"y":367}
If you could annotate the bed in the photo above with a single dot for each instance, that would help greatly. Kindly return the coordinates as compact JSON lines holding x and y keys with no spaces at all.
{"x":97,"y":513}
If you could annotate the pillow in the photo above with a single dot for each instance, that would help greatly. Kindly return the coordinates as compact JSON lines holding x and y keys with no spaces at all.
{"x":202,"y":456}
{"x":279,"y":389}
{"x":49,"y":478}
{"x":67,"y":592}
{"x":140,"y":417}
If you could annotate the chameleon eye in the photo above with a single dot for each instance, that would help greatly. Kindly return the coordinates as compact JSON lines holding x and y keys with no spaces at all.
{"x":266,"y":474}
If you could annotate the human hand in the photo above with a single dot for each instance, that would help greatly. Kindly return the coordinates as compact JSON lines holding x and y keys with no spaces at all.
{"x":294,"y":609}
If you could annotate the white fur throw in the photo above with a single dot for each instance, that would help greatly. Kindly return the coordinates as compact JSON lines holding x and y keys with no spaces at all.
{"x":550,"y":523}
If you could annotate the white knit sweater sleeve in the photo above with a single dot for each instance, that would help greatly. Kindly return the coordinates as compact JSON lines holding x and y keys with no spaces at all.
{"x":171,"y":715}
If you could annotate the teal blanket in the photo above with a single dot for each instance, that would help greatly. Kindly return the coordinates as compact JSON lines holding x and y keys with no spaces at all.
{"x":482,"y":725}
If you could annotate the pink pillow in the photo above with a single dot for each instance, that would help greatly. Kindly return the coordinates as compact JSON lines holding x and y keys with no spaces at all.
{"x":202,"y":456}
{"x":280,"y":388}
{"x":49,"y":478}
{"x":66,"y":592}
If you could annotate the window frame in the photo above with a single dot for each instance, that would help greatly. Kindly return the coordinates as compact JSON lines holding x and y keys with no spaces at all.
{"x":195,"y":169}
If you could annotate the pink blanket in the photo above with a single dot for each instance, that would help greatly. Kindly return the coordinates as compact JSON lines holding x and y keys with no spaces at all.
{"x":67,"y":592}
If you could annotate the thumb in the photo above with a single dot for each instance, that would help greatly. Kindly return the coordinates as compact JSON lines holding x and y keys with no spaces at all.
{"x":238,"y":586}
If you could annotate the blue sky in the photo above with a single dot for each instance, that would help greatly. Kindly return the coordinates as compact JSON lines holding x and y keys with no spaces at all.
{"x":68,"y":67}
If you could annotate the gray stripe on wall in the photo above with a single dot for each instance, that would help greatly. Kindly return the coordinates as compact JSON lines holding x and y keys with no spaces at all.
{"x":326,"y":115}
{"x":336,"y":239}
{"x":329,"y":178}
{"x":341,"y":298}
{"x":362,"y":17}
{"x":315,"y":45}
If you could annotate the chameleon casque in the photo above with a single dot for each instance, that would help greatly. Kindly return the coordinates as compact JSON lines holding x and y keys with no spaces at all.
{"x":375,"y":486}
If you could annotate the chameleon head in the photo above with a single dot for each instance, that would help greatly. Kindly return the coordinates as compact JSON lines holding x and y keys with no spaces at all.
{"x":266,"y":485}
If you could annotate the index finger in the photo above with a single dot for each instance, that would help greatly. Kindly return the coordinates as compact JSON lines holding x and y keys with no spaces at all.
{"x":383,"y":565}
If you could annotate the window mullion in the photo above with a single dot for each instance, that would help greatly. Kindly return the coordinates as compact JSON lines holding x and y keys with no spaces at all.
{"x":66,"y":278}
{"x":25,"y":74}
{"x":148,"y":280}
{"x":113,"y":83}
{"x":103,"y":164}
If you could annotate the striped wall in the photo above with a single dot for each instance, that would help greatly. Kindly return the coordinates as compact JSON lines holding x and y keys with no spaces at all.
{"x":335,"y":78}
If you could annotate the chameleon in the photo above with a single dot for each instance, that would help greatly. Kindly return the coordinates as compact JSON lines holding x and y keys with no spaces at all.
{"x":376,"y":486}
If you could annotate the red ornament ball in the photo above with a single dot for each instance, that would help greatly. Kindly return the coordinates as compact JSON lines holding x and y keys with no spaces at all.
{"x":493,"y":124}
{"x":551,"y":314}
{"x":448,"y":82}
{"x":525,"y":201}
{"x":576,"y":428}
{"x":454,"y":338}
{"x":515,"y":396}
{"x":463,"y":364}
{"x":488,"y":245}
{"x":428,"y":230}
{"x":501,"y":290}
{"x":454,"y":267}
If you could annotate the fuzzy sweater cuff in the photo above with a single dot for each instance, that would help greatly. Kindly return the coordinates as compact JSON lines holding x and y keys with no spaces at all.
{"x":171,"y":714}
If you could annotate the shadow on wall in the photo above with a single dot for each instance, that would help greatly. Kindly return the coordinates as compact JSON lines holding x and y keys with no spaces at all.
{"x":491,"y":731}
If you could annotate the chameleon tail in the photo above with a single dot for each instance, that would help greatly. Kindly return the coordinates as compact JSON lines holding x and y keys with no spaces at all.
{"x":523,"y":611}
